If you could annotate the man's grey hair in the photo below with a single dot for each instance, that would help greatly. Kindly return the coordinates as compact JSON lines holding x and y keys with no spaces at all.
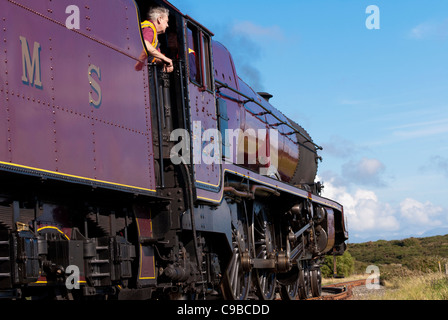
{"x":155,"y":13}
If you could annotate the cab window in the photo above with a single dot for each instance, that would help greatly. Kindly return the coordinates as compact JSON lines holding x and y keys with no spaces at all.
{"x":199,"y":57}
{"x":193,"y":55}
{"x":208,"y":81}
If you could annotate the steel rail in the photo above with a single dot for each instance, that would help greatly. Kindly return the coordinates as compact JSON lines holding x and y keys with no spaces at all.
{"x":346,"y":287}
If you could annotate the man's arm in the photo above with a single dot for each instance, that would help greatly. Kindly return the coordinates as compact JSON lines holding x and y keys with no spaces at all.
{"x":157,"y":54}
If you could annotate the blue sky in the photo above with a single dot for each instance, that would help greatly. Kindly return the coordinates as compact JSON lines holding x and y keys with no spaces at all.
{"x":376,"y":99}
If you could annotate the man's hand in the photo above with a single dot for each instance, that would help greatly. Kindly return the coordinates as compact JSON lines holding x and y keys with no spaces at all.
{"x":141,"y":61}
{"x":169,"y":67}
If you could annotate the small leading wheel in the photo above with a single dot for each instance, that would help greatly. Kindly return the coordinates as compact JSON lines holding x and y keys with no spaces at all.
{"x":264,"y":248}
{"x":304,"y":282}
{"x":316,"y":282}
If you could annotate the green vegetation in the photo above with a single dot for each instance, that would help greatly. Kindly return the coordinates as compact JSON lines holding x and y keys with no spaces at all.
{"x":411,"y":269}
{"x":345,"y":265}
{"x":413,"y":254}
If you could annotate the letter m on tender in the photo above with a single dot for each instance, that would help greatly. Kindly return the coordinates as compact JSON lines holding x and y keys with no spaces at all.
{"x":31,"y":65}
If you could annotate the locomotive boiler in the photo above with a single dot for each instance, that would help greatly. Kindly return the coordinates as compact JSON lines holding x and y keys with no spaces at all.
{"x":143,"y":184}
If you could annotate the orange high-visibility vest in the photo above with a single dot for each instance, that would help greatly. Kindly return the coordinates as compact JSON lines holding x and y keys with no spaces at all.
{"x":155,"y":40}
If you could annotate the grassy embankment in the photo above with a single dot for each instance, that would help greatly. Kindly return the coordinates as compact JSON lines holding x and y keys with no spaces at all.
{"x":410,"y":269}
{"x":429,"y":286}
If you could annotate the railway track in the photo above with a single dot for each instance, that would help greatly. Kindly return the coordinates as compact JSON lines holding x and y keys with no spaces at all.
{"x":339,"y":291}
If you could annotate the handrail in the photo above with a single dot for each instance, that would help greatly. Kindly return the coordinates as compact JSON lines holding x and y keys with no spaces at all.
{"x":250,"y":99}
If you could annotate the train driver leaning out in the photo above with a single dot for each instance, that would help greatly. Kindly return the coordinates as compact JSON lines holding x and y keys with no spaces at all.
{"x":157,"y":24}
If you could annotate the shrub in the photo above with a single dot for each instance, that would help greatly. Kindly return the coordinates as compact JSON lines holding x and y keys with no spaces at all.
{"x":345,"y":265}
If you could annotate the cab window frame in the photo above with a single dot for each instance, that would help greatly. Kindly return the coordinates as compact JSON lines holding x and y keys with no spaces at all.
{"x":199,"y":44}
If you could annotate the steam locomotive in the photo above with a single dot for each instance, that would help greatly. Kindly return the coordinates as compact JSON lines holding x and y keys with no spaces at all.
{"x":125,"y":184}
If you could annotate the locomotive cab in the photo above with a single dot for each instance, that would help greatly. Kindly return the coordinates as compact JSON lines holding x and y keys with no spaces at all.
{"x":185,"y":98}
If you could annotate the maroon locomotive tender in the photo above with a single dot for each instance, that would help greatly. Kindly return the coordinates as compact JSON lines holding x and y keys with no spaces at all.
{"x":99,"y":197}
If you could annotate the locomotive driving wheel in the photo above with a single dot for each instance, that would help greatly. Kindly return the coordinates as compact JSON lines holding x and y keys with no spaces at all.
{"x":290,"y":290}
{"x":298,"y":286}
{"x":263,"y":240}
{"x":237,"y":278}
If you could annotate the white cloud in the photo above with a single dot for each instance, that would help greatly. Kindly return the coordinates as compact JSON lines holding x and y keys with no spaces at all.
{"x":430,"y":30}
{"x":370,"y":167}
{"x":366,"y":172}
{"x":433,"y":123}
{"x":267,"y":33}
{"x":441,"y":164}
{"x":421,"y":214}
{"x":430,"y":130}
{"x":437,"y":164}
{"x":370,"y":218}
{"x":363,"y":209}
{"x":421,"y":31}
{"x":340,"y":147}
{"x":420,"y":124}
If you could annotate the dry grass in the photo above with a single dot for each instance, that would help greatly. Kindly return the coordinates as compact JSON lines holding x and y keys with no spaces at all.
{"x":432,"y":286}
{"x":405,"y":285}
{"x":327,"y":281}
